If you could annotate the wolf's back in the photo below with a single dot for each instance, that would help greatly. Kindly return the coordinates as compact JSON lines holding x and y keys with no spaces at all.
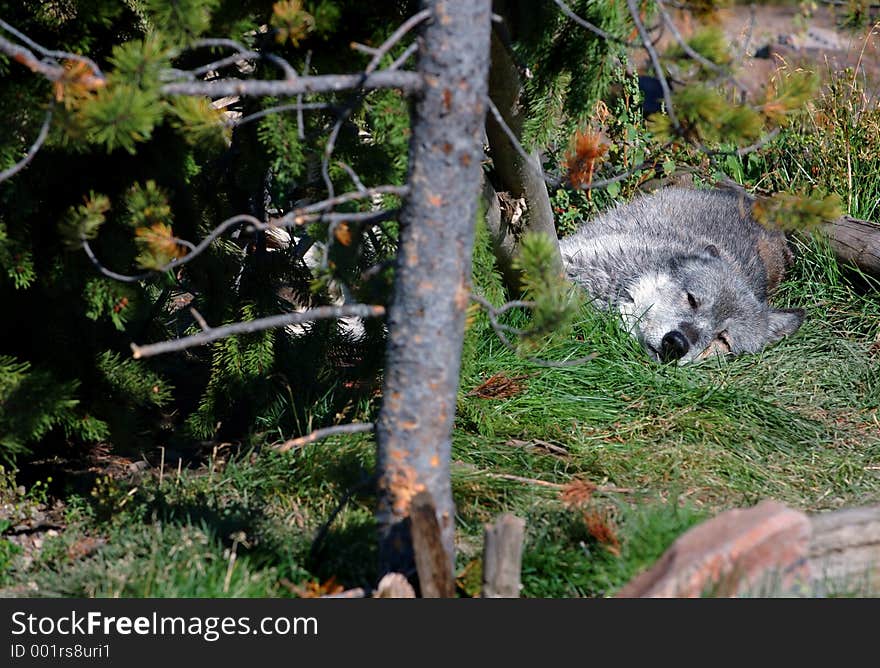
{"x":634,"y":237}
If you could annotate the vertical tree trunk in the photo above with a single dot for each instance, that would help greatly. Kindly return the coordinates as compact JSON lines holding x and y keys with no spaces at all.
{"x":432,"y":281}
{"x":514,"y":174}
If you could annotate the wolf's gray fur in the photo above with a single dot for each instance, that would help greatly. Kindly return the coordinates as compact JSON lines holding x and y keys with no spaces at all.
{"x":689,"y":271}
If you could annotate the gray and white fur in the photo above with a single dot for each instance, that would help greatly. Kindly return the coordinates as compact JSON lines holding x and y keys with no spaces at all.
{"x":689,"y":271}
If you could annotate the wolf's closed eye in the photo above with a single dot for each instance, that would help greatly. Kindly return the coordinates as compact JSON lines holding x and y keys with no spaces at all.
{"x":693,"y":301}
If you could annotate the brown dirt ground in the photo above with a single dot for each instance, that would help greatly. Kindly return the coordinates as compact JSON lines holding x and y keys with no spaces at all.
{"x":818,"y":42}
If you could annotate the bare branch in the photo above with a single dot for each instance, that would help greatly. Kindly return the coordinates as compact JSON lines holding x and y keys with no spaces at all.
{"x":318,"y":434}
{"x":500,"y":330}
{"x":195,"y":252}
{"x":49,"y":53}
{"x":655,"y":60}
{"x":32,"y":151}
{"x":29,"y":60}
{"x":744,"y":47}
{"x":212,"y":42}
{"x":300,"y":124}
{"x":109,"y":273}
{"x":199,"y":318}
{"x":299,"y":107}
{"x":363,"y":48}
{"x":556,"y":182}
{"x":224,"y":62}
{"x":297,"y":217}
{"x":354,"y":101}
{"x":410,"y":82}
{"x":601,"y":489}
{"x":596,"y":30}
{"x":602,"y":183}
{"x":352,"y":175}
{"x":745,"y":150}
{"x":514,"y":141}
{"x":695,"y":55}
{"x":395,"y":37}
{"x":259,"y":325}
{"x":403,"y":57}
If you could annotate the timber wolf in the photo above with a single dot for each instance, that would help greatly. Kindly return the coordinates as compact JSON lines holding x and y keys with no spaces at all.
{"x":689,"y":271}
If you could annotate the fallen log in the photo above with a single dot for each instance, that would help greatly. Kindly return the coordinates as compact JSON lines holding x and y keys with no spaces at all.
{"x":770,"y":550}
{"x":844,"y":556}
{"x":855,"y":241}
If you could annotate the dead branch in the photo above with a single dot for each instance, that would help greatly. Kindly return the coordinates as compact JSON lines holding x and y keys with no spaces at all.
{"x":259,"y":325}
{"x":298,"y":106}
{"x":633,"y":6}
{"x":51,"y":53}
{"x":318,"y":434}
{"x":596,"y":30}
{"x":296,"y":218}
{"x":380,"y":52}
{"x":410,"y":82}
{"x":32,"y":151}
{"x":26,"y":57}
{"x":602,"y":489}
{"x":501,"y":330}
{"x":695,"y":55}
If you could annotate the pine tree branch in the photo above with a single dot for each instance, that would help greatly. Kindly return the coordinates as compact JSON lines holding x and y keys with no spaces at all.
{"x":259,"y":325}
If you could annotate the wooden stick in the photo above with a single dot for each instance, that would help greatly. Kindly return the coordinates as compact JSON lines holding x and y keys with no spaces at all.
{"x":502,"y":557}
{"x":432,"y":564}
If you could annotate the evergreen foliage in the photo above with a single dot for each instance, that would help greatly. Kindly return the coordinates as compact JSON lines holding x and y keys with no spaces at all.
{"x":133,"y":173}
{"x":568,"y":69}
{"x":555,"y":300}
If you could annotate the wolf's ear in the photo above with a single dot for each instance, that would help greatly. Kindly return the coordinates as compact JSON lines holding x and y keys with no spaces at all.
{"x":782,"y":322}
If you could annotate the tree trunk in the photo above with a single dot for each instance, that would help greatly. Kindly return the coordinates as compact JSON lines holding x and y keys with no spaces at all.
{"x":432,"y":281}
{"x":856,"y":241}
{"x":514,"y":175}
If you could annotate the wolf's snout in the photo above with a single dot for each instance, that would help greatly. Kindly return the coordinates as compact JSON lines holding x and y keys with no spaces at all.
{"x":674,"y":346}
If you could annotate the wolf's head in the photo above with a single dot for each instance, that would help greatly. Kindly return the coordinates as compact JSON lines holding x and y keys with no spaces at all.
{"x":696,"y":306}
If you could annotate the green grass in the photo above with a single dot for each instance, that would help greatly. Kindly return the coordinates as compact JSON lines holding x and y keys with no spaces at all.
{"x":797,"y":423}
